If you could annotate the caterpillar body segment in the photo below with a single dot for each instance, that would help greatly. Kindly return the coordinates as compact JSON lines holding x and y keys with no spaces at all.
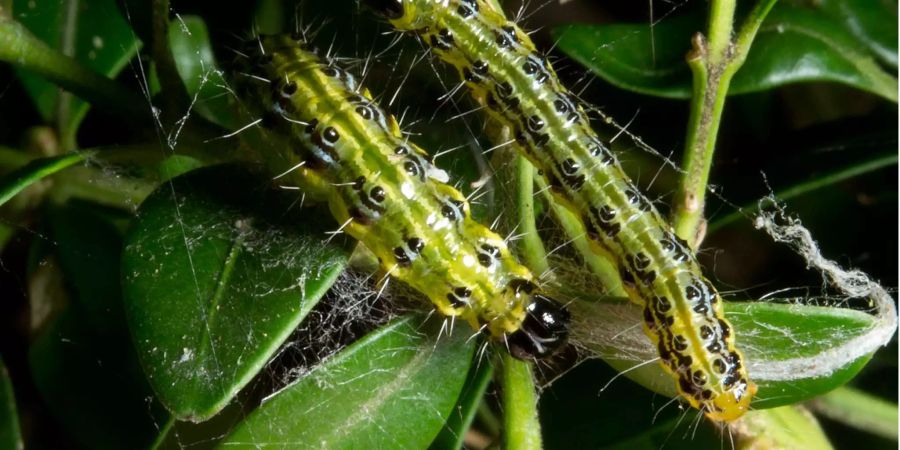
{"x":518,"y":88}
{"x":388,"y":195}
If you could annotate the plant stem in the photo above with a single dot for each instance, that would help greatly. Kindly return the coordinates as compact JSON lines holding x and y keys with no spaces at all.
{"x":521,"y":429}
{"x":859,"y":410}
{"x":64,"y":125}
{"x":21,"y":48}
{"x":15,"y":181}
{"x":785,"y":427}
{"x":574,"y":230}
{"x":713,"y":62}
{"x":531,"y":247}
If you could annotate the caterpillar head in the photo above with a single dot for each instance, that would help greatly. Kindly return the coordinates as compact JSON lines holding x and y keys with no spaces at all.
{"x":732,"y":404}
{"x":544,"y":330}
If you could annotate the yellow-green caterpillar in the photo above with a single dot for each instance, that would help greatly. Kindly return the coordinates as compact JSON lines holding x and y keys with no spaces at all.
{"x":503,"y":71}
{"x":389,"y":196}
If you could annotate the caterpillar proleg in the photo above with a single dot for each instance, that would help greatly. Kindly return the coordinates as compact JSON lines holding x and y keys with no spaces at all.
{"x":389,"y":196}
{"x":503,"y":71}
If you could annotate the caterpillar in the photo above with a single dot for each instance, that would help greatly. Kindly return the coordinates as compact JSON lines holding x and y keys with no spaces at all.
{"x":390,"y":197}
{"x":519,"y":89}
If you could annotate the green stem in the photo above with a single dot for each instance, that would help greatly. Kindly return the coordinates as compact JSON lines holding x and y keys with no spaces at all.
{"x":88,"y":182}
{"x":785,"y":427}
{"x":531,"y":247}
{"x":17,"y":180}
{"x":64,"y":99}
{"x":21,"y":48}
{"x":721,"y":20}
{"x":163,"y":434}
{"x":600,"y":266}
{"x":859,"y":410}
{"x":521,"y":429}
{"x":713,"y":63}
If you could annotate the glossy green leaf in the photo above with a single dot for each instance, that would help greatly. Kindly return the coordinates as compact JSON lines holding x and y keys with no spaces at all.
{"x":873,"y":23}
{"x":10,"y":435}
{"x":784,"y":345}
{"x":794,"y":44}
{"x":93,"y":32}
{"x":176,"y":165}
{"x":392,"y":389}
{"x":452,"y":435}
{"x":83,"y":363}
{"x":17,"y":180}
{"x":196,"y":64}
{"x":218,"y":270}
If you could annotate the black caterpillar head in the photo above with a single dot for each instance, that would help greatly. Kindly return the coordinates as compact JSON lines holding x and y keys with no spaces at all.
{"x":389,"y":9}
{"x":544,"y":330}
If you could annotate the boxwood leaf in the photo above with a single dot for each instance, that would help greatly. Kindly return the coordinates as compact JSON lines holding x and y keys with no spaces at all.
{"x":794,"y":44}
{"x":218,"y":270}
{"x":101,"y":39}
{"x":452,"y":435}
{"x":394,"y":388}
{"x":781,"y":342}
{"x":196,"y":64}
{"x":872,"y":23}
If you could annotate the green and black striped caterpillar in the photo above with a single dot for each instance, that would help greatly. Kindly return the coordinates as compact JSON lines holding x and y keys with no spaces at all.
{"x":388,"y":195}
{"x":520,"y":91}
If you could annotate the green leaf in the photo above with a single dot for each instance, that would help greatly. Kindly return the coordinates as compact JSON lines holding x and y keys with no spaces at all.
{"x":196,"y":64}
{"x":794,"y":44}
{"x":17,"y":180}
{"x":452,"y":435}
{"x":392,"y":389}
{"x":93,"y":32}
{"x":630,"y":57}
{"x":873,"y":23}
{"x":176,"y":165}
{"x":786,"y":346}
{"x":83,"y":363}
{"x":10,"y":435}
{"x":218,"y":270}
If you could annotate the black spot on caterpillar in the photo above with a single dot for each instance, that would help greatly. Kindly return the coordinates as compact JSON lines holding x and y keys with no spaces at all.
{"x":504,"y":72}
{"x":388,"y":195}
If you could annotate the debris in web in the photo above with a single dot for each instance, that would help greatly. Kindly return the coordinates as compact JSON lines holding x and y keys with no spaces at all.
{"x":350,"y":309}
{"x":782,"y":227}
